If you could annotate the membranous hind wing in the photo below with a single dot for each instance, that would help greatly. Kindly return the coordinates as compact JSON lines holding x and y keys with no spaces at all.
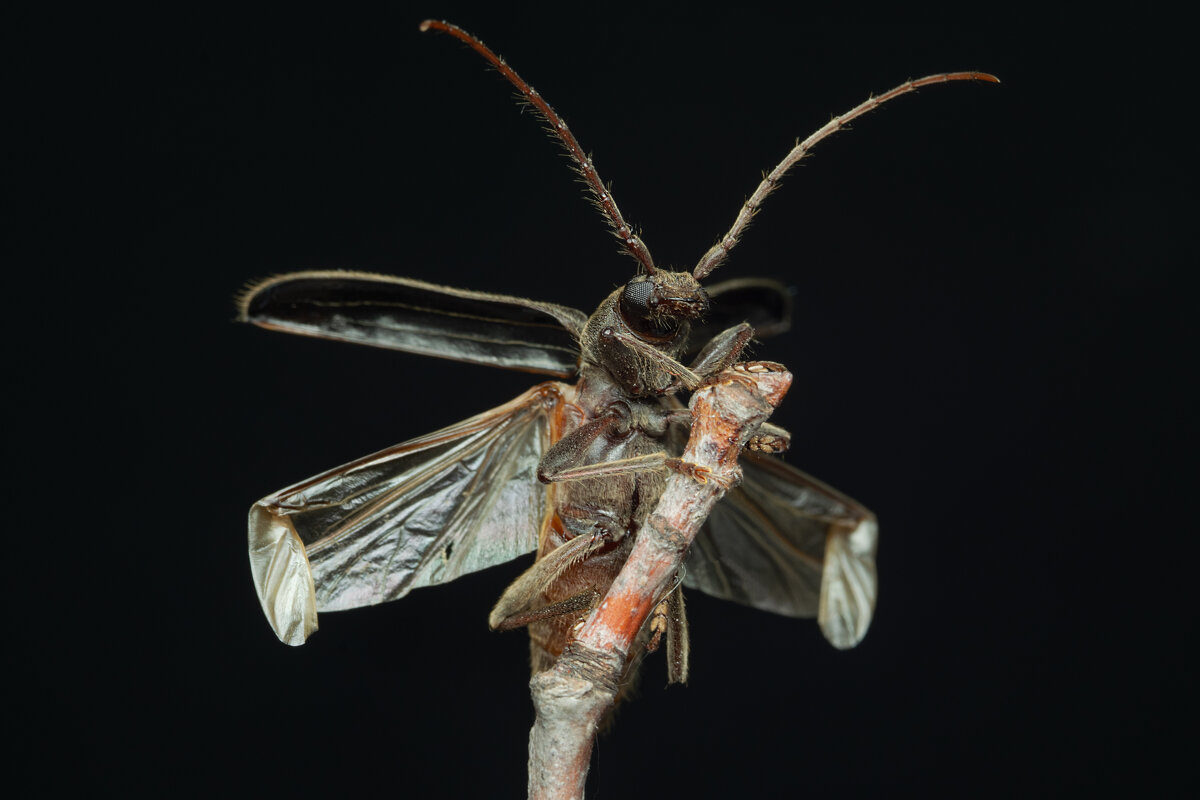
{"x":420,"y":513}
{"x":418,"y":317}
{"x":785,"y":542}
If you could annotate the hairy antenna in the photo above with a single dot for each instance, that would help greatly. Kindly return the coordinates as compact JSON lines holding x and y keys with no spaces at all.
{"x":719,"y":251}
{"x":583,"y":164}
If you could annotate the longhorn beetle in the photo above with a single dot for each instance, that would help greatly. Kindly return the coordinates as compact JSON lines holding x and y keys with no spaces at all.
{"x":570,"y":470}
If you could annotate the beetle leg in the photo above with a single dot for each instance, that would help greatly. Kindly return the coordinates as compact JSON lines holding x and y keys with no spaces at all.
{"x":562,"y":461}
{"x":690,"y":380}
{"x":724,"y":349}
{"x":720,"y":353}
{"x":583,"y":601}
{"x":680,"y":416}
{"x":569,"y":451}
{"x":670,"y":619}
{"x":770,"y":439}
{"x":678,"y":646}
{"x":515,"y":606}
{"x":623,"y":466}
{"x":657,"y":625}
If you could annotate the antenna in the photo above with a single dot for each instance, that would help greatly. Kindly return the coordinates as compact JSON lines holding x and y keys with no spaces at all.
{"x":717,"y":254}
{"x":601,"y":196}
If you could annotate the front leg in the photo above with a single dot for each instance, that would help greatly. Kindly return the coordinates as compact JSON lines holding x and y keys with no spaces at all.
{"x":716,"y":356}
{"x":724,"y":349}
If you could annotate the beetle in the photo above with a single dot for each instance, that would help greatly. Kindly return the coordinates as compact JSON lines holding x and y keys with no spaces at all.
{"x":569,"y":470}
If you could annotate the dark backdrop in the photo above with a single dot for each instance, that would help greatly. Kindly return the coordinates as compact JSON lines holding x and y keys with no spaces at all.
{"x":992,"y":349}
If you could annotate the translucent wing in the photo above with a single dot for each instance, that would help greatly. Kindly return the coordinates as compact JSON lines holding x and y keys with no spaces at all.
{"x":418,"y":317}
{"x":787,"y":543}
{"x":423,"y":512}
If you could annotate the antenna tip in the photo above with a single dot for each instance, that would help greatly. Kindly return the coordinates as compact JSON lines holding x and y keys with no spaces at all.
{"x":427,"y":24}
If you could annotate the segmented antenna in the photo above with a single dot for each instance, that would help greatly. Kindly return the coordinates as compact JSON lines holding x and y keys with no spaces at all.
{"x":583,"y":164}
{"x":719,"y":251}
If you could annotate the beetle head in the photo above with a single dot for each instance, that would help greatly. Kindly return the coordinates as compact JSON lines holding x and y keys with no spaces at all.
{"x":655,"y":305}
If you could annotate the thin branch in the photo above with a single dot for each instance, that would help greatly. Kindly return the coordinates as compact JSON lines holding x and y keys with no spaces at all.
{"x":572,"y":697}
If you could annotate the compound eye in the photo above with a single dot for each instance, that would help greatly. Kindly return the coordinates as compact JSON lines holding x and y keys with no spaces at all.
{"x":638,"y":304}
{"x":635,"y":301}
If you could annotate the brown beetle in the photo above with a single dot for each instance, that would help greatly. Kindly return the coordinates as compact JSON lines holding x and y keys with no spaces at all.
{"x":570,"y":470}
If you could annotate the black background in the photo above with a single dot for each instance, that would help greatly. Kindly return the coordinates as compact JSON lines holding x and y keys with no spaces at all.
{"x":992,"y":348}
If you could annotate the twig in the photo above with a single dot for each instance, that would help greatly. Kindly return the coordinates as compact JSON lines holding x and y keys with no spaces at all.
{"x":572,"y":697}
